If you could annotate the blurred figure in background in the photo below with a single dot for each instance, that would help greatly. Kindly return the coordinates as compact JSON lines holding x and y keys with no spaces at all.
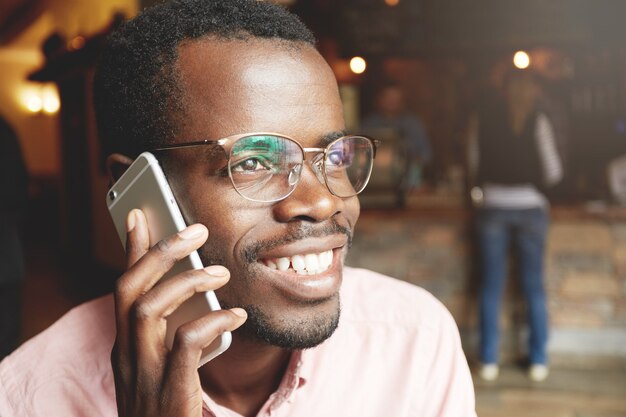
{"x":13,"y":183}
{"x":391,"y":118}
{"x":513,"y":158}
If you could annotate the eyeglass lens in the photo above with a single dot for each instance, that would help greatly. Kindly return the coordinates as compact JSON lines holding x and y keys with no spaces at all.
{"x":267,"y":167}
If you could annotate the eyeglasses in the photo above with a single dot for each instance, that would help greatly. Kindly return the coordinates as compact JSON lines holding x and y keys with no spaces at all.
{"x":266,"y":167}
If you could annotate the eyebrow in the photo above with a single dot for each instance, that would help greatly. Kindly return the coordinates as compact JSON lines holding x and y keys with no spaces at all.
{"x":329,"y":137}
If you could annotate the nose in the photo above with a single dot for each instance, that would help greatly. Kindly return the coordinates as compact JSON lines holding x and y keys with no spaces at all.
{"x":311,"y":200}
{"x":317,"y":164}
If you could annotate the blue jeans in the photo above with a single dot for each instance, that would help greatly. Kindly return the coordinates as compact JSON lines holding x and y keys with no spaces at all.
{"x":526,"y":229}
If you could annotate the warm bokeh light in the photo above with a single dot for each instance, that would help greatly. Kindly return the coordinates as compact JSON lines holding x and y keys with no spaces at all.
{"x":50,"y":97}
{"x":77,"y":43}
{"x":392,"y":3}
{"x":521,"y":60}
{"x":358,"y":65}
{"x":33,"y":102}
{"x":38,"y":99}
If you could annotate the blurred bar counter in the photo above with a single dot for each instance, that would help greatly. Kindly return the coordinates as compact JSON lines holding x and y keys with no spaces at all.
{"x":585,"y":274}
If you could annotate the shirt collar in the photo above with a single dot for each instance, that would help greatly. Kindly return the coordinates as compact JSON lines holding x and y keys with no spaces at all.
{"x":296,"y":375}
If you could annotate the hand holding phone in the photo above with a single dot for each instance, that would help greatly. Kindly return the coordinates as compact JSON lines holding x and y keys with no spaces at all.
{"x":151,"y":380}
{"x":144,"y":186}
{"x":168,"y":320}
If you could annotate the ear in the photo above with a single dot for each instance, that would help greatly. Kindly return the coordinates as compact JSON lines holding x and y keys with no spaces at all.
{"x":116,"y":165}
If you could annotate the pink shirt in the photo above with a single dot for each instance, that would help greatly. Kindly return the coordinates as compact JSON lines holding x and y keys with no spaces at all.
{"x":396,"y":352}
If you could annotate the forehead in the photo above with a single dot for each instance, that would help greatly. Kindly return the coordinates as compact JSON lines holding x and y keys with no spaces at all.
{"x":238,"y":86}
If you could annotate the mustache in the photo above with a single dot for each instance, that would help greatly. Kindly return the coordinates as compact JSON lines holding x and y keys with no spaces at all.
{"x":302,"y":231}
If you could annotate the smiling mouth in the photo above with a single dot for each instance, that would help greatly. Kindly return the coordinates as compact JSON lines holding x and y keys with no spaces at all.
{"x":302,"y":264}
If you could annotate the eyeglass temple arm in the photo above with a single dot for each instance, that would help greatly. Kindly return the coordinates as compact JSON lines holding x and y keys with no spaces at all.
{"x":190,"y":144}
{"x":376,"y":143}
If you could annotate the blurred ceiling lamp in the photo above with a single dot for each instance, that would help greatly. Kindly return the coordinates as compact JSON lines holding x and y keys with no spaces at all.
{"x":358,"y":65}
{"x":51,"y":101}
{"x":392,"y":3}
{"x":43,"y":99}
{"x":521,"y":60}
{"x":33,"y":102}
{"x":77,"y":42}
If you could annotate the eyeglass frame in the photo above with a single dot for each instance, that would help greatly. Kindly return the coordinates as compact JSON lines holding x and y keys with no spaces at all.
{"x":234,"y":138}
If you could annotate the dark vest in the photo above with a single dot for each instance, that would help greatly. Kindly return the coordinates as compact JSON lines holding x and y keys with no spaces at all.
{"x":505,"y":157}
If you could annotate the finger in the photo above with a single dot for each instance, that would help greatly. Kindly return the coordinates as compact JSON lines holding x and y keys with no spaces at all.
{"x":194,"y":336}
{"x":142,"y":275}
{"x":137,"y":236}
{"x":167,"y":296}
{"x":151,"y":267}
{"x":151,"y":309}
{"x":137,"y":244}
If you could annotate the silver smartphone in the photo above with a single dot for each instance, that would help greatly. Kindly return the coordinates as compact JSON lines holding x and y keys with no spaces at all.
{"x":144,"y":186}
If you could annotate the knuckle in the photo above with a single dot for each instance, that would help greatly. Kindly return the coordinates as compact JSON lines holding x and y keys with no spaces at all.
{"x":163,"y":246}
{"x":226,"y":323}
{"x":168,"y":250}
{"x":186,"y":279}
{"x":187,"y":337}
{"x":192,"y":280}
{"x":123,"y":285}
{"x":143,"y":309}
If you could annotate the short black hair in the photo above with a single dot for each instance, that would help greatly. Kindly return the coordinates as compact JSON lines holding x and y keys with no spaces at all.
{"x":137,"y":96}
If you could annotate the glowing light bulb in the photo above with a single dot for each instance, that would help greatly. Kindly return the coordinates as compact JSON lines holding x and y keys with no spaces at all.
{"x":51,"y":105}
{"x":40,"y":98}
{"x":358,"y":65}
{"x":51,"y":102}
{"x":33,"y":103}
{"x":521,"y":60}
{"x":77,"y":43}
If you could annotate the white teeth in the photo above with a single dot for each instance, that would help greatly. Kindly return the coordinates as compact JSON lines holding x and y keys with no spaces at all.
{"x":306,"y":264}
{"x":283,"y":264}
{"x":311,"y":261}
{"x":297,"y":262}
{"x":326,"y":258}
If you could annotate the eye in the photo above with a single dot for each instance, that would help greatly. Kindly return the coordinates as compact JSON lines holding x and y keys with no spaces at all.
{"x":250,"y":165}
{"x":338,"y":159}
{"x":334,"y":158}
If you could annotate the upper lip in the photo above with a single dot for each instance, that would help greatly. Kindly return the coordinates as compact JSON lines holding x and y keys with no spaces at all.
{"x":304,"y":246}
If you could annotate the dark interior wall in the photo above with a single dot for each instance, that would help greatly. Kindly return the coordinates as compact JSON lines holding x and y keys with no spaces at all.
{"x":147,"y":3}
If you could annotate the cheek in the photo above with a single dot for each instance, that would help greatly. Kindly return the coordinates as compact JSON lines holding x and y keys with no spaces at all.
{"x":231,"y":222}
{"x":207,"y":201}
{"x":217,"y":215}
{"x":352,"y":210}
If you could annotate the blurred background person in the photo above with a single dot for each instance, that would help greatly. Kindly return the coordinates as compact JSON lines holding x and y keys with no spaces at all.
{"x":514,"y":158}
{"x":14,"y":184}
{"x":391,"y":120}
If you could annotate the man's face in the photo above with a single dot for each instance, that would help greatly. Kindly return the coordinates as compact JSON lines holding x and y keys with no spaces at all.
{"x":238,"y":86}
{"x":391,"y":101}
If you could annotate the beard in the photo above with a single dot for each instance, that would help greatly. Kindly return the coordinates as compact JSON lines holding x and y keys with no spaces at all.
{"x":269,"y":328}
{"x":288,"y":334}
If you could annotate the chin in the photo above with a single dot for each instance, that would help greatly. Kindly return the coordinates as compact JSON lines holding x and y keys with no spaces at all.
{"x":312,"y":326}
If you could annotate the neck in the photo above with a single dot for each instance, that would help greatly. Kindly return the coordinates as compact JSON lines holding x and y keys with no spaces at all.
{"x":243,"y":377}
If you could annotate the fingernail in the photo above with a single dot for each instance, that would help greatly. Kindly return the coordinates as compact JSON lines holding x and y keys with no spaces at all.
{"x":239,"y":312}
{"x":192,"y":231}
{"x":130,"y":221}
{"x":216,"y":271}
